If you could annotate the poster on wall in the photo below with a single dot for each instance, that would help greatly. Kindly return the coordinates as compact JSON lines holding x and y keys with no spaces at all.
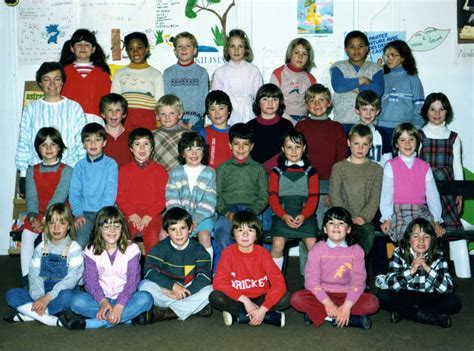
{"x":43,"y":26}
{"x":465,"y":31}
{"x":377,"y":41}
{"x":315,"y":16}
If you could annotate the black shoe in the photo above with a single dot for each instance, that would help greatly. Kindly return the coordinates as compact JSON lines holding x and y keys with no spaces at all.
{"x":147,"y":317}
{"x":76,"y":323}
{"x":394,"y":317}
{"x":441,"y":320}
{"x":275,"y":318}
{"x":13,"y":316}
{"x":306,"y":320}
{"x":362,"y":322}
{"x":206,"y":312}
{"x":163,"y":314}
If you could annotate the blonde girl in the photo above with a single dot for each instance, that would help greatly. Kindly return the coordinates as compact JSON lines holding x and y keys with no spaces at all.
{"x":55,"y":270}
{"x":238,"y":77}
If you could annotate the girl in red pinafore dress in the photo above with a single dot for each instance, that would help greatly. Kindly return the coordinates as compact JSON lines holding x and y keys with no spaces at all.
{"x":46,"y":183}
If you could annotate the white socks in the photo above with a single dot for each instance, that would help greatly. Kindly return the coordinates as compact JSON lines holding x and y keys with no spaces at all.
{"x":279,"y":262}
{"x":211,"y":253}
{"x":45,"y":318}
{"x":27,"y":249}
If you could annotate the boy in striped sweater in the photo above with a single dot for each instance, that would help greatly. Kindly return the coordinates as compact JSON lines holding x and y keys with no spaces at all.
{"x":178,"y":271}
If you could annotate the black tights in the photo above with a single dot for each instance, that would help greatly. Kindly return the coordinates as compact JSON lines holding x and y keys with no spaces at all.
{"x":223,"y":302}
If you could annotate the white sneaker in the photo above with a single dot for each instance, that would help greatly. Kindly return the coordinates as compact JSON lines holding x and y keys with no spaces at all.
{"x":380,"y":281}
{"x":228,"y":319}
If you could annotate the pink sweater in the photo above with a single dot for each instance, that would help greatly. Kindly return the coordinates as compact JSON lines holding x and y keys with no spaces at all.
{"x":335,"y":269}
{"x":409,"y":183}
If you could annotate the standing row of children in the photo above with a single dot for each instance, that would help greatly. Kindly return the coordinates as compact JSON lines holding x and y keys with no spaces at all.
{"x":269,"y":128}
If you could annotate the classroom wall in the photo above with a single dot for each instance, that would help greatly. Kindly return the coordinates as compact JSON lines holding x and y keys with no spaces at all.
{"x":270,"y":26}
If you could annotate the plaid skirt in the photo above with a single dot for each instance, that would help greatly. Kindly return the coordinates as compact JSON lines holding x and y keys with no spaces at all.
{"x":403,"y":214}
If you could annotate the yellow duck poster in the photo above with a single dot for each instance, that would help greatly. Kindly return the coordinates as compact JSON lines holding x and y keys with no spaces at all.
{"x":315,"y":16}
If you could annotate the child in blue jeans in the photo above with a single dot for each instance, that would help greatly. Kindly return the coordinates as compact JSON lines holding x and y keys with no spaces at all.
{"x":55,"y":270}
{"x":111,"y":277}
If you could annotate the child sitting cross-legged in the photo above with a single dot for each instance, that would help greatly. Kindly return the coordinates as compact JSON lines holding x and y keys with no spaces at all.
{"x":55,"y":270}
{"x":249,"y":287}
{"x":178,"y":271}
{"x":111,"y":277}
{"x":335,"y":277}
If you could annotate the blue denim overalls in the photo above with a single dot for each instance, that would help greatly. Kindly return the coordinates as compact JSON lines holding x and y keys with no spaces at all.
{"x":53,"y":266}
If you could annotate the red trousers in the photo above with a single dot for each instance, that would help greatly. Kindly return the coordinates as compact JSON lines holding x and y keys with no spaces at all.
{"x":304,"y":301}
{"x":150,"y":233}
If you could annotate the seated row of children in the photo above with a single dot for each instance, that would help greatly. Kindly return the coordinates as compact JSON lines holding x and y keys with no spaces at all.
{"x":248,"y":287}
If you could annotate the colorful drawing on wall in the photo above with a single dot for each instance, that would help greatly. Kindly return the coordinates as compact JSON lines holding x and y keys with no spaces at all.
{"x":428,"y":39}
{"x":315,"y":16}
{"x":465,"y":21}
{"x":193,"y":7}
{"x":53,"y":33}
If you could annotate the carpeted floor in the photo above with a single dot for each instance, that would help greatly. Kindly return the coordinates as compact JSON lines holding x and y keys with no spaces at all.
{"x":211,"y":334}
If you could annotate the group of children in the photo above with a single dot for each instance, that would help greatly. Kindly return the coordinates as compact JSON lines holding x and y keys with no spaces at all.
{"x":260,"y":167}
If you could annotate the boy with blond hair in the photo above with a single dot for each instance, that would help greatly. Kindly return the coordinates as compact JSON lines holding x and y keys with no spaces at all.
{"x":187,"y":80}
{"x":169,"y":111}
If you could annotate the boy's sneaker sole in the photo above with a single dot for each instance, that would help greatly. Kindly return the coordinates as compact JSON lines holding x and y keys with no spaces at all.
{"x":228,"y":319}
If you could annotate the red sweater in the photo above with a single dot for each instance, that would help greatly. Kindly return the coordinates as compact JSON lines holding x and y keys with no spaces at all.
{"x":249,"y":274}
{"x":87,"y":91}
{"x":117,"y":148}
{"x":327,"y":144}
{"x":274,"y":190}
{"x":218,"y":141}
{"x":142,"y":189}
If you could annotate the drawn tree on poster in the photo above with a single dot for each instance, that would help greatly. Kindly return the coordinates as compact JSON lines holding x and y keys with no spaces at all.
{"x":193,"y":7}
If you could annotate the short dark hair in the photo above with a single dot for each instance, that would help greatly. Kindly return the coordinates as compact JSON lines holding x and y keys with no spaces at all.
{"x":361,"y":130}
{"x":248,"y":218}
{"x":113,"y":98}
{"x":175,"y":215}
{"x":93,"y":129}
{"x":191,"y":139}
{"x":139,"y":36}
{"x":218,"y":97}
{"x":317,"y":89}
{"x":241,"y":131}
{"x":341,"y":214}
{"x":55,"y":137}
{"x":47,"y":67}
{"x":398,"y":131}
{"x":356,"y":34}
{"x":139,"y":133}
{"x":367,"y":97}
{"x":444,"y":101}
{"x":272,"y":91}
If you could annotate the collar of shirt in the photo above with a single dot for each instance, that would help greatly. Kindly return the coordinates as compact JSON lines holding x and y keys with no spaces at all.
{"x":332,"y":245}
{"x":144,"y":164}
{"x":179,"y":248}
{"x":98,"y":159}
{"x":320,"y":118}
{"x":299,"y":163}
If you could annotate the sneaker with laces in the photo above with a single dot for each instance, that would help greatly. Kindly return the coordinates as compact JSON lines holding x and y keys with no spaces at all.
{"x":381,"y":281}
